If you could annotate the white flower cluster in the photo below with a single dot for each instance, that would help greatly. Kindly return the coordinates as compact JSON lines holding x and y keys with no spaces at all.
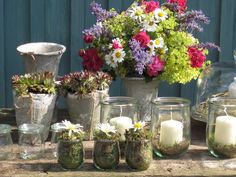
{"x":72,"y":128}
{"x":106,"y":128}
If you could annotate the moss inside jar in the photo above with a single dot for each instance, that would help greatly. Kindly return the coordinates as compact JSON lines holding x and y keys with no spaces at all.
{"x":138,"y":155}
{"x":70,"y":146}
{"x":106,"y":152}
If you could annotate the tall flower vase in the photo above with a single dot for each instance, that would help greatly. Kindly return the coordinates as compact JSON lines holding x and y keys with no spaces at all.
{"x":144,"y":92}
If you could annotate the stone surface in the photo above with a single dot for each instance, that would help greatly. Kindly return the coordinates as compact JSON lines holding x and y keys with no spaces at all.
{"x":196,"y":162}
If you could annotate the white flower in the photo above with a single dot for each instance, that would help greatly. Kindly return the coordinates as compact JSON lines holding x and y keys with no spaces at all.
{"x":160,"y":15}
{"x":150,"y":25}
{"x":151,"y":51}
{"x":106,"y":128}
{"x":110,"y":61}
{"x":159,"y":42}
{"x":118,"y":55}
{"x":136,"y":13}
{"x":138,"y":125}
{"x":71,"y":127}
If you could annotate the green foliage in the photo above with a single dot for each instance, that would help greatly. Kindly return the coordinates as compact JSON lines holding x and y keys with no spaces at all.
{"x":138,"y":134}
{"x":83,"y":83}
{"x":100,"y":135}
{"x":74,"y":135}
{"x":38,"y":83}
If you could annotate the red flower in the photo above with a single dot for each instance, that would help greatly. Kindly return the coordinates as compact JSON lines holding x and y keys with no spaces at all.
{"x":150,"y":6}
{"x":155,"y":67}
{"x":143,"y":38}
{"x":91,"y":59}
{"x":181,"y":4}
{"x":196,"y":56}
{"x":116,"y":44}
{"x":88,"y":38}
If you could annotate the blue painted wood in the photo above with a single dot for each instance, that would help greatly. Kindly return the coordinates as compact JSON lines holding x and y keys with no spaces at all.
{"x":62,"y":21}
{"x":2,"y":61}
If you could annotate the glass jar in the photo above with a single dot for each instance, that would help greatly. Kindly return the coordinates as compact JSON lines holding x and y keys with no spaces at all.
{"x":5,"y":141}
{"x":31,"y":141}
{"x":106,"y":154}
{"x":120,"y":112}
{"x":221,"y":127}
{"x":170,"y":126}
{"x":56,"y":129}
{"x":70,"y":154}
{"x":214,"y":81}
{"x":138,"y":154}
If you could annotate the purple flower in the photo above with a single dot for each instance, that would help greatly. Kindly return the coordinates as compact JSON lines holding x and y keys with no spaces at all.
{"x":96,"y":30}
{"x":208,"y":45}
{"x":191,"y":20}
{"x":100,"y":13}
{"x":142,"y":57}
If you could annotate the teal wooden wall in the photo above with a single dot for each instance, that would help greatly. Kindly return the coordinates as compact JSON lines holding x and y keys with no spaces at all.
{"x":62,"y":21}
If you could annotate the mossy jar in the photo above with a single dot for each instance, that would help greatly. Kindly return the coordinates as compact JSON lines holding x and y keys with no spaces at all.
{"x":138,"y":154}
{"x":106,"y":154}
{"x":221,"y":127}
{"x":170,"y":126}
{"x":70,"y":154}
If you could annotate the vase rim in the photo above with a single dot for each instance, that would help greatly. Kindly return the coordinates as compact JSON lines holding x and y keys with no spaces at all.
{"x":138,"y":78}
{"x":223,"y":102}
{"x":170,"y":102}
{"x":40,"y":48}
{"x":119,"y":101}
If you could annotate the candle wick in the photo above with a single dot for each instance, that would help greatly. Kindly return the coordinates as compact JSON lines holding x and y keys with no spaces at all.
{"x":171,"y":113}
{"x":120,"y":111}
{"x":226,"y":111}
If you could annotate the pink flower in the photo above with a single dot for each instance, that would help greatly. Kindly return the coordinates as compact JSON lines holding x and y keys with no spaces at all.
{"x":88,"y":38}
{"x":116,"y":44}
{"x":150,"y":6}
{"x":181,"y":4}
{"x":155,"y":67}
{"x":143,"y":38}
{"x":196,"y":56}
{"x":91,"y":59}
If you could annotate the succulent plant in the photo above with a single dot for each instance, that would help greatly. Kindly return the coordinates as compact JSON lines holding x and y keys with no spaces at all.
{"x":84,"y":82}
{"x":38,"y":83}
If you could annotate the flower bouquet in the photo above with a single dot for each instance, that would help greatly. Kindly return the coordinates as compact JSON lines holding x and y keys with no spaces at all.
{"x":148,"y":40}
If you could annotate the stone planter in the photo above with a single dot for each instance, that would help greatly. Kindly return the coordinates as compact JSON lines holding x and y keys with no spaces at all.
{"x":144,"y":92}
{"x":85,"y":110}
{"x":35,"y":108}
{"x":41,"y":56}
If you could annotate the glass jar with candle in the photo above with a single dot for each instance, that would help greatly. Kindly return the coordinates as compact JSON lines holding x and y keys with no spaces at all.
{"x":56,"y":129}
{"x":170,"y":126}
{"x":221,"y":127}
{"x":120,"y":112}
{"x":31,"y":141}
{"x":5,"y":141}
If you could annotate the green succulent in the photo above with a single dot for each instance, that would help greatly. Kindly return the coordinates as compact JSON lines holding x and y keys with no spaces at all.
{"x":38,"y":83}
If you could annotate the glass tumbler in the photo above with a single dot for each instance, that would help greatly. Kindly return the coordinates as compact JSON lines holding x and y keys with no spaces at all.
{"x":221,"y":127}
{"x":120,"y":112}
{"x":56,"y":129}
{"x":31,"y":141}
{"x":5,"y":141}
{"x":170,"y":126}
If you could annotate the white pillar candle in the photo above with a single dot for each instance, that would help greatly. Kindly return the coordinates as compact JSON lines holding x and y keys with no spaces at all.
{"x":121,"y":123}
{"x":225,"y":130}
{"x":232,"y":89}
{"x":171,"y":132}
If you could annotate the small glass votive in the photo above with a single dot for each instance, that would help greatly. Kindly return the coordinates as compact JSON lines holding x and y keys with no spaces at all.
{"x":56,"y":129}
{"x":170,"y":126}
{"x":5,"y":141}
{"x":31,"y":141}
{"x":221,"y":127}
{"x":120,"y":112}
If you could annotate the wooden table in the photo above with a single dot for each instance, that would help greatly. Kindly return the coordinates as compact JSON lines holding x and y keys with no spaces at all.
{"x":196,"y":162}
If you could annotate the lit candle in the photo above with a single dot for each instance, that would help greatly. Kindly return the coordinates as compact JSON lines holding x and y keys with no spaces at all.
{"x":171,"y":132}
{"x":121,"y":123}
{"x":225,"y":130}
{"x":232,"y":89}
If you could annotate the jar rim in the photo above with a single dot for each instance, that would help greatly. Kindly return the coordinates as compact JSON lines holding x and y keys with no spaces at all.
{"x":171,"y":102}
{"x":221,"y":102}
{"x":57,"y":127}
{"x":31,"y":128}
{"x":119,"y":101}
{"x":5,"y":128}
